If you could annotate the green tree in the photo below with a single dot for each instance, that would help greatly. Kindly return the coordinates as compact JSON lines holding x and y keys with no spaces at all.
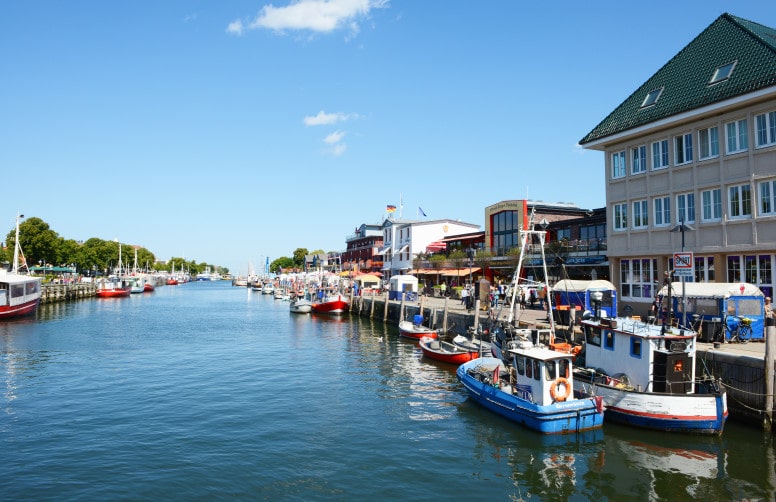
{"x":283,"y":262}
{"x":299,"y":255}
{"x":38,"y":242}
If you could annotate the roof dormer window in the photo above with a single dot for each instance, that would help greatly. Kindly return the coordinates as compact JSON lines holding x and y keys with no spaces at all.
{"x":722,"y":73}
{"x":652,"y":97}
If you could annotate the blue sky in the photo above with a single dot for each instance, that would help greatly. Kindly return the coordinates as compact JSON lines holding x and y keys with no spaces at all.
{"x":226,"y":132}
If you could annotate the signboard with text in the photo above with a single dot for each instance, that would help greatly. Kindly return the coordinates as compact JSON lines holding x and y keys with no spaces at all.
{"x":684,"y":264}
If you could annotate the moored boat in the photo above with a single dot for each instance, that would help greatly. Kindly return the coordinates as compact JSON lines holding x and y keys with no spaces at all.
{"x":300,"y":306}
{"x":19,"y":293}
{"x":415,"y":329}
{"x":645,"y":373}
{"x":532,"y":387}
{"x":445,"y":351}
{"x":113,"y":287}
{"x":335,"y":303}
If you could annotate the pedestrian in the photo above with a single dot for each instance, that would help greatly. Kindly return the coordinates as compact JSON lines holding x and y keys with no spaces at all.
{"x":768,"y":308}
{"x":465,"y":296}
{"x":532,"y":297}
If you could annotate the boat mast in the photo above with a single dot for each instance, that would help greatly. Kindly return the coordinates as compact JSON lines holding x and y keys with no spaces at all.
{"x":16,"y":247}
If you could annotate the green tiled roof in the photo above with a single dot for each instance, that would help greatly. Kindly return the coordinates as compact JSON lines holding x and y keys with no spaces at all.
{"x":685,"y":78}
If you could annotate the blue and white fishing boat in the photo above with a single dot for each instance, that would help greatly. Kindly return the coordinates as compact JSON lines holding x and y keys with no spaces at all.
{"x":645,"y":373}
{"x":532,"y":386}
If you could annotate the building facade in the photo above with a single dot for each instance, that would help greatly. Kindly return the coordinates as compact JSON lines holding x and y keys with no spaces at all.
{"x":690,"y":161}
{"x":362,"y":250}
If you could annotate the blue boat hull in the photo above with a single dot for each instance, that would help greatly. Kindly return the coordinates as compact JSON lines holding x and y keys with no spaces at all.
{"x":568,"y":417}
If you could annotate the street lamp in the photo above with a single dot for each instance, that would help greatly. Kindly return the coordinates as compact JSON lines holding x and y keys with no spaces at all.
{"x":681,"y":227}
{"x":596,"y":297}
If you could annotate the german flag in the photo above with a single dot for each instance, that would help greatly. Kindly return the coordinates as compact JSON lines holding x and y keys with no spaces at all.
{"x":390,"y":208}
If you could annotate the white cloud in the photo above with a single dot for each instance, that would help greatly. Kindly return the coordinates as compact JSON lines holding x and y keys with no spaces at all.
{"x":337,"y":149}
{"x":334,"y":137}
{"x":235,"y":28}
{"x":324,"y":118}
{"x":322,"y":16}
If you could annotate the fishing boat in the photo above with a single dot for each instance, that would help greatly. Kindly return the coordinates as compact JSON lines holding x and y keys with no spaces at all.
{"x":446,"y":352}
{"x":532,"y":386}
{"x":300,"y":305}
{"x":334,"y":303}
{"x":645,"y":373}
{"x":19,"y":293}
{"x":113,"y":287}
{"x":415,"y":329}
{"x":473,"y":344}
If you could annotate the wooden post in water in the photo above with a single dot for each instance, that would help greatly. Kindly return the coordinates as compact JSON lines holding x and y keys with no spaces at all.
{"x":401,"y":308}
{"x":421,"y":310}
{"x":385,"y":310}
{"x":444,"y":317}
{"x":372,"y":307}
{"x":476,"y":315}
{"x":770,"y":358}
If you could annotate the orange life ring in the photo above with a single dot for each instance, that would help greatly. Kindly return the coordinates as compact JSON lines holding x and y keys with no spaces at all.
{"x":560,"y":396}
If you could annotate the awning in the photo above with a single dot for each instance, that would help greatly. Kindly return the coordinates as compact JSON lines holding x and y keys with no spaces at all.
{"x":461,"y":272}
{"x":382,"y":251}
{"x":403,"y":249}
{"x":435,"y":246}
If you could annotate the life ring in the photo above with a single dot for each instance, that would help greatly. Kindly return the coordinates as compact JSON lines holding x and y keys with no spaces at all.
{"x":560,"y":396}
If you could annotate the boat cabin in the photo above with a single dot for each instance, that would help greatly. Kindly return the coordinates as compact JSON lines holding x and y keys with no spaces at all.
{"x":647,"y":357}
{"x":539,"y":375}
{"x":18,"y":289}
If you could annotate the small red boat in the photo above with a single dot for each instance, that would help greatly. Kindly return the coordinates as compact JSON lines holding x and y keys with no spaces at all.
{"x":113,"y":288}
{"x":415,"y":330}
{"x":331,"y":304}
{"x":445,"y":351}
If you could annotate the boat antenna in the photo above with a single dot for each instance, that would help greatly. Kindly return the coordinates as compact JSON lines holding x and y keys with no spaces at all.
{"x":17,"y":249}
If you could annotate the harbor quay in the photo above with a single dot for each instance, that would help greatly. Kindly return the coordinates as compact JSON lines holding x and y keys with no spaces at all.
{"x":740,"y":367}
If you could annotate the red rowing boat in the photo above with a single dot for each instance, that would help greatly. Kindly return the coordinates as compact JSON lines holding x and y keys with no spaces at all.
{"x":445,"y":351}
{"x":415,"y":330}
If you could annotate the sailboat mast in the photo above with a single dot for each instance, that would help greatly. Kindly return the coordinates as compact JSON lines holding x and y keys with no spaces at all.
{"x":16,"y":247}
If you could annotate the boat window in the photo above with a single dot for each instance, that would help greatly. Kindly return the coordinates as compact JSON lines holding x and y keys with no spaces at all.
{"x":635,"y":348}
{"x":609,"y":340}
{"x":17,"y":290}
{"x":528,"y":369}
{"x":563,"y":368}
{"x":32,"y":287}
{"x":593,"y":336}
{"x":520,"y":365}
{"x":551,"y":373}
{"x":536,"y":370}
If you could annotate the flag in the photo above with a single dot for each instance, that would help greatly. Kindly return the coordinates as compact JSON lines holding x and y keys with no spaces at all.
{"x":390,"y":208}
{"x":420,"y":210}
{"x":495,"y":376}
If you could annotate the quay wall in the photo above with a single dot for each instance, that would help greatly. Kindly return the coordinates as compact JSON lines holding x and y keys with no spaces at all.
{"x":65,"y":292}
{"x":744,"y":378}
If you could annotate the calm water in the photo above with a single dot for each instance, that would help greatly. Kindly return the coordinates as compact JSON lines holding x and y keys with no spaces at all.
{"x":206,"y":391}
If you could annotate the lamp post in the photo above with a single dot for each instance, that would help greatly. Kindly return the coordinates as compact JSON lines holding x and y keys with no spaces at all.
{"x":470,"y":255}
{"x":681,"y":227}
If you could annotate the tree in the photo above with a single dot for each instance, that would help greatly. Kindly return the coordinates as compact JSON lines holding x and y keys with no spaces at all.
{"x":299,"y":255}
{"x":284,"y":262}
{"x":38,"y":242}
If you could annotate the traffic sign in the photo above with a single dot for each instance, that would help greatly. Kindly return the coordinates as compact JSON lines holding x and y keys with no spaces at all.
{"x":684,"y":264}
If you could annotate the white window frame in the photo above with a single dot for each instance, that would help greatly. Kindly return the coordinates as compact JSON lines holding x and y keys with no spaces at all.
{"x":708,"y":143}
{"x":766,"y":198}
{"x":639,"y":159}
{"x":683,"y":149}
{"x":660,"y":154}
{"x":765,"y":129}
{"x":662,"y":207}
{"x":711,"y":205}
{"x":618,"y":165}
{"x":620,"y":216}
{"x":736,"y":136}
{"x":740,"y":201}
{"x":640,"y":213}
{"x":638,"y":277}
{"x":685,"y":207}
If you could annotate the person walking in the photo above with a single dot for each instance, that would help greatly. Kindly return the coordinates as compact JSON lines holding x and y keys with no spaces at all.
{"x":768,"y":308}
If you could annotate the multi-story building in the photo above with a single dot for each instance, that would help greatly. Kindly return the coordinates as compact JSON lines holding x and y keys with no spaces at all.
{"x":361,"y":252}
{"x":403,"y":240}
{"x":690,"y":161}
